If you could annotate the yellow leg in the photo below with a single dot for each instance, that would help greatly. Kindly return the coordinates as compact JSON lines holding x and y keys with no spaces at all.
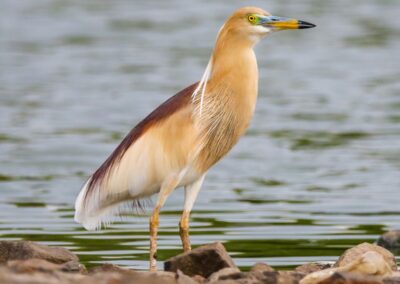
{"x":191,"y":192}
{"x":184,"y":231}
{"x":154,"y":221}
{"x":167,"y":187}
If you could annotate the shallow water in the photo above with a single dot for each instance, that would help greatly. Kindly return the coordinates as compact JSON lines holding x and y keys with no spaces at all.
{"x":317,"y":172}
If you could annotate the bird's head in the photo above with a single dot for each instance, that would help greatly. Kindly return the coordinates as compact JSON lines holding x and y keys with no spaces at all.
{"x":252,"y":23}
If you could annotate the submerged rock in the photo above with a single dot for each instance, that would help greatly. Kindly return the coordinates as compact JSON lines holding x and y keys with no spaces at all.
{"x":202,"y":261}
{"x":19,"y":250}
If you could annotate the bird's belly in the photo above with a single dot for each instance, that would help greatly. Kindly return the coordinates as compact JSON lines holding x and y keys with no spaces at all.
{"x":190,"y":176}
{"x":157,"y":162}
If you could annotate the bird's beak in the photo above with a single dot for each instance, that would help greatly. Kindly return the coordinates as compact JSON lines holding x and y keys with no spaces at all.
{"x":282,"y":23}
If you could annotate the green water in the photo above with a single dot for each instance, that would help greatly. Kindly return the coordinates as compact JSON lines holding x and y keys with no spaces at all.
{"x":317,"y":172}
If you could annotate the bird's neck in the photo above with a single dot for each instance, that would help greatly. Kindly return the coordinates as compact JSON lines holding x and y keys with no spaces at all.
{"x":234,"y":59}
{"x":229,"y":100}
{"x":234,"y":68}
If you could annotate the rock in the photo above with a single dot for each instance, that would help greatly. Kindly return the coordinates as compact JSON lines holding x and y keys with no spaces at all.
{"x":199,"y":279}
{"x":258,"y":270}
{"x":32,"y":265}
{"x":238,"y":281}
{"x":280,"y":277}
{"x":355,"y":252}
{"x":351,"y":278}
{"x":73,"y":266}
{"x":115,"y":278}
{"x":159,"y":277}
{"x":261,"y":267}
{"x":19,"y":250}
{"x":225,"y":274}
{"x":289,"y":277}
{"x":202,"y":261}
{"x":390,"y":241}
{"x":392,"y":280}
{"x":8,"y":276}
{"x":41,"y":265}
{"x":184,"y":279}
{"x":312,"y":267}
{"x":133,"y":277}
{"x":371,"y":263}
{"x":108,"y":267}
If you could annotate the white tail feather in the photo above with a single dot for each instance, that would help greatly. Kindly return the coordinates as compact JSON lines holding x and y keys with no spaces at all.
{"x":92,"y":213}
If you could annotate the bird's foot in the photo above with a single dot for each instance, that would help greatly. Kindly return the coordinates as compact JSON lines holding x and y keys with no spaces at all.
{"x":153,"y":263}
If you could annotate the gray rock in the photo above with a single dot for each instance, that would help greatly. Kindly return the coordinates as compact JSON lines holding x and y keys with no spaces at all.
{"x":19,"y":250}
{"x":356,"y":252}
{"x":312,"y":267}
{"x":202,"y":261}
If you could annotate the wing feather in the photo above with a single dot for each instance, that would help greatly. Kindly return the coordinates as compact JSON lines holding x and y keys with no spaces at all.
{"x":103,"y":194}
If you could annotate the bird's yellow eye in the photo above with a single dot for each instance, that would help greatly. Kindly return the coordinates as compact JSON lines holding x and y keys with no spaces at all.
{"x":252,"y":19}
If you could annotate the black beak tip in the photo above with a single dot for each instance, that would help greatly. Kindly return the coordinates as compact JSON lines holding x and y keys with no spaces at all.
{"x":306,"y":25}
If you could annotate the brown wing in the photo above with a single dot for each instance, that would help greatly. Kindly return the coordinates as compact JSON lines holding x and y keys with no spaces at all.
{"x":162,"y":112}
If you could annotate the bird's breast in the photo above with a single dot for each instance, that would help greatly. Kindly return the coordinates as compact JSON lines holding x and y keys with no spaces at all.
{"x":225,"y":118}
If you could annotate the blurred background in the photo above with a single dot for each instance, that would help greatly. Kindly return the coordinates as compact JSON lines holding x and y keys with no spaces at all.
{"x":317,"y":172}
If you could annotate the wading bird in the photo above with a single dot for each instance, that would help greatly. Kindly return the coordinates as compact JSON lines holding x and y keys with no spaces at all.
{"x":178,"y":142}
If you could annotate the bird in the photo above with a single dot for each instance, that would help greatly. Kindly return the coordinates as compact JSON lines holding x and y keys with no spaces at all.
{"x":177,"y":143}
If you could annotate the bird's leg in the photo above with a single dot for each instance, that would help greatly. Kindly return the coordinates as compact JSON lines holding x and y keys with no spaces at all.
{"x":191,"y":192}
{"x":167,"y":187}
{"x":154,"y":221}
{"x":184,"y":231}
